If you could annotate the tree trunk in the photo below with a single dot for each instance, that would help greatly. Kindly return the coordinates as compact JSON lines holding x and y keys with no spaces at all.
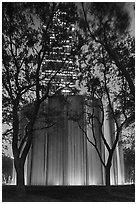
{"x":107,"y":174}
{"x":20,"y":182}
{"x":107,"y":171}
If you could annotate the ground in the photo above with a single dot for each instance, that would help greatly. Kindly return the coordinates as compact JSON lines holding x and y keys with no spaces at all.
{"x":69,"y":194}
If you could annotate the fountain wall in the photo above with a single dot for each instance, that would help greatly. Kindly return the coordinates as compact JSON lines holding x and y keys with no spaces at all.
{"x":61,"y":154}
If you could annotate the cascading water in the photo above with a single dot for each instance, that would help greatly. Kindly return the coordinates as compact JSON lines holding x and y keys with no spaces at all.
{"x":61,"y":154}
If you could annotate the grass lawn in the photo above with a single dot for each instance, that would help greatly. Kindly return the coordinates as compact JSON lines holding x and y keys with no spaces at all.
{"x":69,"y":194}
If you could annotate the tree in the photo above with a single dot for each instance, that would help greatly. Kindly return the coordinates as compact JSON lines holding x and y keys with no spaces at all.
{"x":32,"y":32}
{"x":106,"y":63}
{"x":99,"y":98}
{"x":106,"y":24}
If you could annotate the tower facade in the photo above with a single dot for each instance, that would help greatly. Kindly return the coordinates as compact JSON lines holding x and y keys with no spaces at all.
{"x":59,"y":60}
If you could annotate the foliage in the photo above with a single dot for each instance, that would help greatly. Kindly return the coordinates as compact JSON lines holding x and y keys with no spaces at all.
{"x":129,"y":159}
{"x":104,"y":26}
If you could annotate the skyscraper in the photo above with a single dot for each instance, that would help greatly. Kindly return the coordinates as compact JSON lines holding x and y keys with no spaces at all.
{"x":59,"y":58}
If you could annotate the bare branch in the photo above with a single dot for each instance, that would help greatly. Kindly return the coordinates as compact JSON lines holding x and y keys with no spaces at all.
{"x":46,"y":127}
{"x":7,"y":132}
{"x":94,"y":145}
{"x":101,"y":132}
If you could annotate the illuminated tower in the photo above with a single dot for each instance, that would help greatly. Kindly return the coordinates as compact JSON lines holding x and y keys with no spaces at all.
{"x":59,"y":60}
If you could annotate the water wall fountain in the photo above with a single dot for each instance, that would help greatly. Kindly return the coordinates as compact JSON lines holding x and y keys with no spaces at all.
{"x":61,"y":154}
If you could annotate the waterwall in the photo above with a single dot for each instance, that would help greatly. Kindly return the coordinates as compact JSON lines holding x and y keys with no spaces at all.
{"x":61,"y":154}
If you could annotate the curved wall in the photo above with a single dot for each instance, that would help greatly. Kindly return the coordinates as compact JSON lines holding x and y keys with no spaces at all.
{"x":61,"y":155}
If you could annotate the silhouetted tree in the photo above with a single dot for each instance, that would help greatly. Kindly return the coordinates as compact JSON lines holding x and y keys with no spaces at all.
{"x":107,"y":64}
{"x":31,"y":34}
{"x":106,"y":23}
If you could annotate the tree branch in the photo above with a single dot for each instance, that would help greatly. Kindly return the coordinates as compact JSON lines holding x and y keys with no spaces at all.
{"x":91,"y":34}
{"x":9,"y":90}
{"x":16,"y":64}
{"x":94,"y":145}
{"x":7,"y":132}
